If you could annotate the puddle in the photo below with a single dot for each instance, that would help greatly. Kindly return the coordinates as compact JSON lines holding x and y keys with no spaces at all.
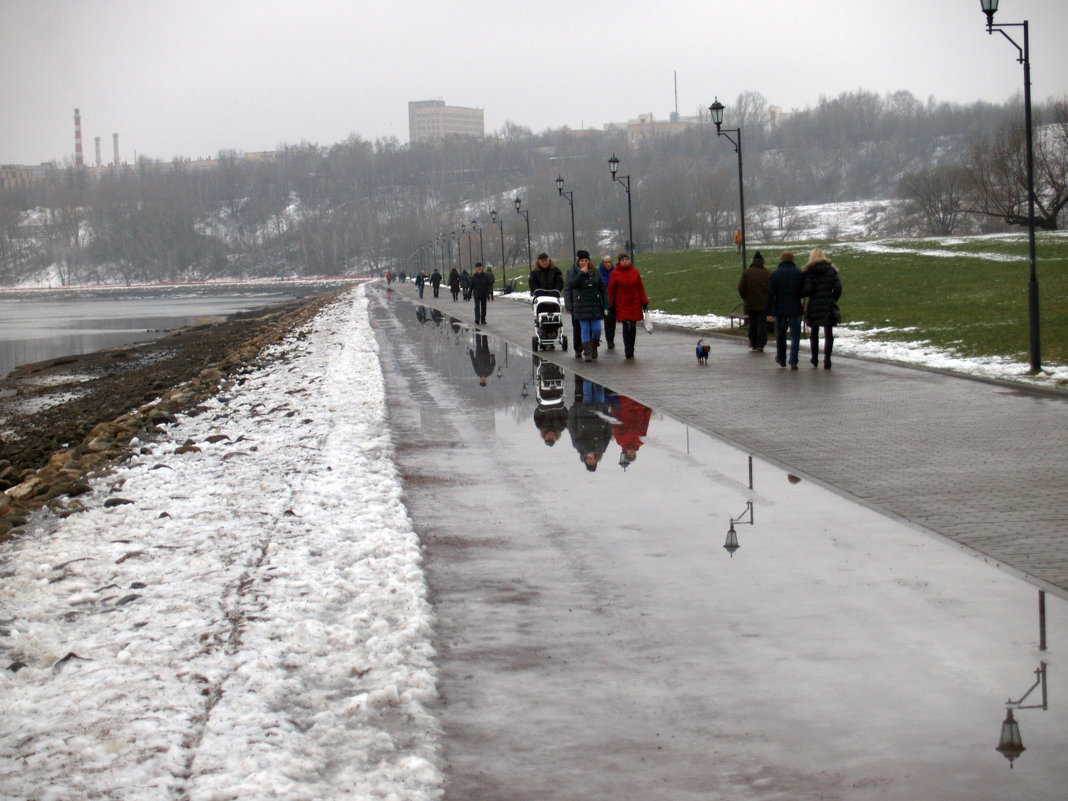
{"x":775,"y":623}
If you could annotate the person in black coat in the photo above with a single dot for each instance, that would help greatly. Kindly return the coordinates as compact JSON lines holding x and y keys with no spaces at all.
{"x":481,"y":286}
{"x":589,"y":298}
{"x":546,"y":275}
{"x":589,"y":422}
{"x":784,"y":304}
{"x":822,"y":286}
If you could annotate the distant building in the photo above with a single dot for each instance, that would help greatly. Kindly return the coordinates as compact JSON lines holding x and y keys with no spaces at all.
{"x":13,"y":176}
{"x":432,"y":119}
{"x":645,"y":127}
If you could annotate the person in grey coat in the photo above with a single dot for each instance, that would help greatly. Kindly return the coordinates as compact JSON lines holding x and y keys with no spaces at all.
{"x":822,"y":286}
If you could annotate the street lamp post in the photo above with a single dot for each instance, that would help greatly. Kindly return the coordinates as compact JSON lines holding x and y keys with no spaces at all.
{"x":477,"y":230}
{"x":990,"y":7}
{"x":570,"y":195}
{"x":717,"y":117}
{"x":459,"y":258}
{"x":624,"y":180}
{"x":526,"y":215}
{"x":500,"y":224}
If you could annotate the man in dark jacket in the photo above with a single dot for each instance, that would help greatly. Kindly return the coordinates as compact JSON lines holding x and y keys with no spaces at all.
{"x":435,"y":281}
{"x":753,"y":289}
{"x":784,"y":304}
{"x":481,"y":286}
{"x":546,"y":275}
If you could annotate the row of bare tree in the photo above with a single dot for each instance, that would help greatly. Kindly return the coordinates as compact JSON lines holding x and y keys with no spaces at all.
{"x":357,"y":205}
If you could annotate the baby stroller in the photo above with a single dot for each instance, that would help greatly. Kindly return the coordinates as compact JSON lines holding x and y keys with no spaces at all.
{"x":548,"y":320}
{"x":549,"y":389}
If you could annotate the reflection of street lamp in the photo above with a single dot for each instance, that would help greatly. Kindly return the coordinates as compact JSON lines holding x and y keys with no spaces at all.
{"x":526,"y":216}
{"x":1010,"y":744}
{"x":571,"y":200}
{"x":731,"y":545}
{"x":500,"y":224}
{"x":717,"y":117}
{"x":990,"y":7}
{"x":613,"y":165}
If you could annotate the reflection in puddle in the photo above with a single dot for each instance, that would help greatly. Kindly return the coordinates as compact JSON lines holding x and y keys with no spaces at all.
{"x":839,"y":642}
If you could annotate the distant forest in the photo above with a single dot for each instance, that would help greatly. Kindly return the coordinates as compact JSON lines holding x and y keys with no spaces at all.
{"x":359,"y":206}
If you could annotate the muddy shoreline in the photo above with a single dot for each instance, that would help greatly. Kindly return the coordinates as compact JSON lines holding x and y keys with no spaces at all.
{"x":65,"y":418}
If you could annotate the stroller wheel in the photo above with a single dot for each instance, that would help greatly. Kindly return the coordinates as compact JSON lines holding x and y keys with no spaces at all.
{"x":534,"y":343}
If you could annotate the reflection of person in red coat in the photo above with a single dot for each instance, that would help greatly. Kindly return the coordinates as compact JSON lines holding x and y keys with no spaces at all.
{"x":633,"y":426}
{"x":627,"y":300}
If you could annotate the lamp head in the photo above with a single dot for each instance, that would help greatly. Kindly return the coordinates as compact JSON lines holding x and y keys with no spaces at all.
{"x":560,"y":184}
{"x":613,"y":164}
{"x":716,"y":110}
{"x":493,"y":216}
{"x":1010,"y":745}
{"x":990,"y":8}
{"x":731,"y":545}
{"x":518,"y":203}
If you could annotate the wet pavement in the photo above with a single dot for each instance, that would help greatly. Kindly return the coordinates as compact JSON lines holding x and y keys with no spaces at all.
{"x":598,"y":641}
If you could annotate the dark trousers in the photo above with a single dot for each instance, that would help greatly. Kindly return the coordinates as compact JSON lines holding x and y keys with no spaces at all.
{"x":436,"y":288}
{"x":630,"y":332}
{"x":828,"y":343}
{"x":610,"y":329}
{"x":784,"y":326}
{"x":576,"y":335}
{"x":758,"y":328}
{"x":480,"y":310}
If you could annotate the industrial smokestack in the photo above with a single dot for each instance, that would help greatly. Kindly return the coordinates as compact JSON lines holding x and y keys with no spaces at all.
{"x":98,"y":162}
{"x":78,"y":162}
{"x":115,"y":141}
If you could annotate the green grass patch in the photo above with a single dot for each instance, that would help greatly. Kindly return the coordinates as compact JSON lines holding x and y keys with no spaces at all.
{"x":968,"y":295}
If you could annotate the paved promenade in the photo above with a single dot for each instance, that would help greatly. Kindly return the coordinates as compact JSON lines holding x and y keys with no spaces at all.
{"x":982,"y":464}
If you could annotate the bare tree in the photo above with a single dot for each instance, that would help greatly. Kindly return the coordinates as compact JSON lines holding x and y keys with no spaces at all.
{"x":936,"y":197}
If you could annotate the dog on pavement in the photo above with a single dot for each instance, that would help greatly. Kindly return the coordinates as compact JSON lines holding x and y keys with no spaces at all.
{"x":702,"y":352}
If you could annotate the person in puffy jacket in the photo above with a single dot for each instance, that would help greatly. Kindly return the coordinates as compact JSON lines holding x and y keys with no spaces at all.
{"x":784,"y":304}
{"x":626,"y":296}
{"x":545,"y":275}
{"x":606,"y":269}
{"x":822,"y":286}
{"x":589,"y":297}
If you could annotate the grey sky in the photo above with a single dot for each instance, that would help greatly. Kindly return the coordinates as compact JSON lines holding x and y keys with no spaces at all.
{"x":191,"y":77}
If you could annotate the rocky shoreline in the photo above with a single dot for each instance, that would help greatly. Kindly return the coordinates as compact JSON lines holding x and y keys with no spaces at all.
{"x":66,"y":419}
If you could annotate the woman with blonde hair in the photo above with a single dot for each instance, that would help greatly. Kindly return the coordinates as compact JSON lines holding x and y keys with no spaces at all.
{"x":822,"y":286}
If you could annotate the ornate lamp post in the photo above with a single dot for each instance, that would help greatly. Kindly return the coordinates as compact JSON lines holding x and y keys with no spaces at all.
{"x":500,"y":224}
{"x":459,"y":254}
{"x":526,"y":216}
{"x":717,"y":117}
{"x":570,"y":195}
{"x":1010,"y":744}
{"x":990,"y":7}
{"x":624,"y":180}
{"x":477,"y":230}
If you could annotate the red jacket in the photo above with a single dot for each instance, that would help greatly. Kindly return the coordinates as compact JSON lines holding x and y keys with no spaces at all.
{"x":633,"y":425}
{"x":626,"y":292}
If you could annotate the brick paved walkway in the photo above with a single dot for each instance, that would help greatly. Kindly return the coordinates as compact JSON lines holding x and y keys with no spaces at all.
{"x":983,"y":464}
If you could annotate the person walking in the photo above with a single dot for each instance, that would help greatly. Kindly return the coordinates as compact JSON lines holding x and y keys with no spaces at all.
{"x":435,"y":281}
{"x":588,"y":304}
{"x":628,"y":301}
{"x":606,"y":269}
{"x":784,"y":304}
{"x":483,"y":360}
{"x":465,"y":283}
{"x":545,"y":275}
{"x":569,"y":304}
{"x":454,"y":283}
{"x":633,"y":426}
{"x":589,"y":421}
{"x":480,"y":289}
{"x":753,"y":288}
{"x":492,"y":280}
{"x":739,"y":239}
{"x":822,"y":286}
{"x":420,"y":282}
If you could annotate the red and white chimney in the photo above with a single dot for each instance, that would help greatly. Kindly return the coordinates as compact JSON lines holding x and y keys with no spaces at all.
{"x":78,"y":160}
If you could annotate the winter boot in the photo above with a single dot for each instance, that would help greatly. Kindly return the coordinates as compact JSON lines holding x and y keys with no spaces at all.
{"x":587,"y":351}
{"x":593,"y":349}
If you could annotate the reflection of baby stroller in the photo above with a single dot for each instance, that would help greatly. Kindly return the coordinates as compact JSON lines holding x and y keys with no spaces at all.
{"x":548,"y":320}
{"x":549,"y":387}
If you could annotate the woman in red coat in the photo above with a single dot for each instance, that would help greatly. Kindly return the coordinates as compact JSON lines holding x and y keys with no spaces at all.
{"x":626,"y":295}
{"x":633,"y":425}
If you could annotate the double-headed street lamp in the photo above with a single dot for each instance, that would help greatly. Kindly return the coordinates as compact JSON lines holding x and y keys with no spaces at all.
{"x":990,"y":7}
{"x":624,"y":180}
{"x":526,"y":216}
{"x":570,"y":195}
{"x":500,"y":224}
{"x":717,"y":117}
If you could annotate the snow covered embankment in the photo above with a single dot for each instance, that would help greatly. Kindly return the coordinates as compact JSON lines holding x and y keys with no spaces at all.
{"x":253,"y":624}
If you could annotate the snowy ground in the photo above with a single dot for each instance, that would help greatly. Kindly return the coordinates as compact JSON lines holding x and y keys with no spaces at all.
{"x":243,"y":619}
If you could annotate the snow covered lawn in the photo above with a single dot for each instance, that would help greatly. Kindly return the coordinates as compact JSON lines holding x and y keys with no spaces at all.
{"x":243,"y":618}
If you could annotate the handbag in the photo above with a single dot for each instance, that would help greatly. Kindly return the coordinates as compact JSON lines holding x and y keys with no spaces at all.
{"x":837,"y":313}
{"x":648,"y":322}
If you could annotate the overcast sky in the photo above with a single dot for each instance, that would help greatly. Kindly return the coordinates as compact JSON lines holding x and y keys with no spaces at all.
{"x":191,"y":77}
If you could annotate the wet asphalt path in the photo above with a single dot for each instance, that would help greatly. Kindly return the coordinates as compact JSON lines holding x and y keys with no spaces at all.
{"x":981,"y":463}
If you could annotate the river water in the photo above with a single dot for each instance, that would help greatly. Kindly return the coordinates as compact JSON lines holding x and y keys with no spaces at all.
{"x":36,"y":325}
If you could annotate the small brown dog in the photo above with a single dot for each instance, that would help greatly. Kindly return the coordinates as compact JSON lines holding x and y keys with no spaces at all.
{"x":702,"y":352}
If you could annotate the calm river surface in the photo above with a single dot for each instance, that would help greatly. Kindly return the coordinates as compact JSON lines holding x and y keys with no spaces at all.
{"x":43,"y":324}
